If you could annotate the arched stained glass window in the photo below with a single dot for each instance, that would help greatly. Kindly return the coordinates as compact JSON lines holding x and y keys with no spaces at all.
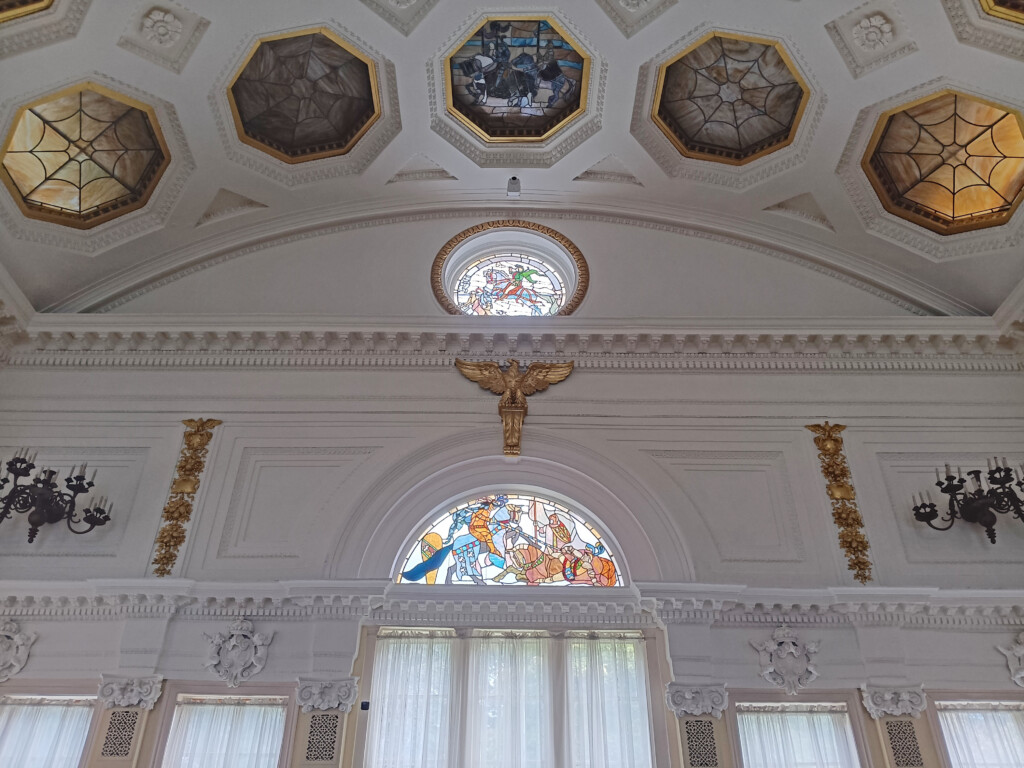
{"x":511,"y":538}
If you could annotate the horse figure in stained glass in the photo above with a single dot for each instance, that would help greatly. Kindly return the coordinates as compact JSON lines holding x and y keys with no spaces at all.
{"x":548,"y":71}
{"x":517,"y":286}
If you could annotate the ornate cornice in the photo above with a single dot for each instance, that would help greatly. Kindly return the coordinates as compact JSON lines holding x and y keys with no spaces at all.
{"x":696,"y":700}
{"x":327,"y":694}
{"x":143,"y":692}
{"x":893,"y":701}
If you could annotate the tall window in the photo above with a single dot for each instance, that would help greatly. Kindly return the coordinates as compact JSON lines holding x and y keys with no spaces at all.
{"x":983,"y":734}
{"x":509,"y":699}
{"x":226,"y":732}
{"x":44,"y":731}
{"x":796,"y":736}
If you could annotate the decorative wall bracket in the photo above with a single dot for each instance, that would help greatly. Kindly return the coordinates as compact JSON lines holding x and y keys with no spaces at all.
{"x":328,"y":694}
{"x":1014,"y":659}
{"x":893,"y":701}
{"x":513,"y":385}
{"x":178,"y":509}
{"x":238,"y":655}
{"x":786,"y":661}
{"x":14,"y":647}
{"x":843,"y":498}
{"x":140,"y":692}
{"x":696,"y":699}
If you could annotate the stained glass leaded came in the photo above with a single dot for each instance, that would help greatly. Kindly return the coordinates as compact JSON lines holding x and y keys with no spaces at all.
{"x":511,"y":538}
{"x":509,"y":284}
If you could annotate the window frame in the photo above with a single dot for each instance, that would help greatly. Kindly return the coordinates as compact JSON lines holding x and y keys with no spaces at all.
{"x":943,"y":696}
{"x":654,"y":655}
{"x":62,"y":687}
{"x":854,"y":710}
{"x":165,"y":707}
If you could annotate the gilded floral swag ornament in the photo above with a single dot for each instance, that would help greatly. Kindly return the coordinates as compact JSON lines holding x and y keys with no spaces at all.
{"x":839,"y":487}
{"x":178,"y":510}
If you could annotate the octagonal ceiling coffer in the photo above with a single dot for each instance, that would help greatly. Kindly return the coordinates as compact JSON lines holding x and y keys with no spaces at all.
{"x":517,"y":79}
{"x":948,"y":162}
{"x":304,"y":96}
{"x":83,"y":156}
{"x":15,"y":9}
{"x":1011,"y":10}
{"x":729,"y":99}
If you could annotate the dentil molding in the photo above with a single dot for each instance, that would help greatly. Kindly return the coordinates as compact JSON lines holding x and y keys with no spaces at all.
{"x":893,"y":701}
{"x":238,"y":655}
{"x":142,"y":692}
{"x":696,"y":699}
{"x":60,"y":21}
{"x":327,"y":694}
{"x":786,"y":661}
{"x":14,"y":648}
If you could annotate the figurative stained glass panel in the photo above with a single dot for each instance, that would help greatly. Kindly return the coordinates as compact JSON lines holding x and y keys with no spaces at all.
{"x":509,"y":284}
{"x":511,"y":538}
{"x":517,"y":79}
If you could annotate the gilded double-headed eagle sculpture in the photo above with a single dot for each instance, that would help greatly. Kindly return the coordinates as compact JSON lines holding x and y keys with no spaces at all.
{"x":513,"y":385}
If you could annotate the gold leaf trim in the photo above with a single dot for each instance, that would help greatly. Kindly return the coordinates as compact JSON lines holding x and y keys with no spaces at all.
{"x":437,"y":268}
{"x":178,"y":509}
{"x":839,"y":487}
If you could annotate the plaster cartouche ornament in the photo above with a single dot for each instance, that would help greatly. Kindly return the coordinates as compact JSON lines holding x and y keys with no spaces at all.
{"x":1014,"y":659}
{"x":873,"y":32}
{"x":786,"y":661}
{"x":130,"y":691}
{"x":885,"y":701}
{"x":14,"y":645}
{"x":328,"y":694}
{"x":696,"y":699}
{"x":161,"y":27}
{"x":238,"y":655}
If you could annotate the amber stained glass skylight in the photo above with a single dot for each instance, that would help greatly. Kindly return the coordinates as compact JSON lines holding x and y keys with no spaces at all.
{"x":730,"y":99}
{"x":83,"y":156}
{"x":15,"y":9}
{"x":950,"y":163}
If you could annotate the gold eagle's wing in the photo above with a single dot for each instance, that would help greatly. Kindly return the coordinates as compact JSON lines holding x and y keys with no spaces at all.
{"x":821,"y":429}
{"x":487,"y":375}
{"x":539,"y":376}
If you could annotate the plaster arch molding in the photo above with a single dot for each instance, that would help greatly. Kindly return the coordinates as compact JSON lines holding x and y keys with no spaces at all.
{"x":385,"y":522}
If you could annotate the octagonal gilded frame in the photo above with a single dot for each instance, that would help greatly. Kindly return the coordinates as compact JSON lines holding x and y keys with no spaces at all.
{"x":24,"y":10}
{"x":992,"y":8}
{"x":289,"y":159}
{"x":910,"y":216}
{"x":449,"y":96}
{"x":686,"y":151}
{"x":40,"y":214}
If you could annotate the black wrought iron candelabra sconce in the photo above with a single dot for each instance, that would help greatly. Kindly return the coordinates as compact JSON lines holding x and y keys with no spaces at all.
{"x":980,"y":504}
{"x":44,"y":503}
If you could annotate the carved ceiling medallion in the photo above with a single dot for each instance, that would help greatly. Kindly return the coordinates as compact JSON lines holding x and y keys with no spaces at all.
{"x":948,"y":162}
{"x":83,"y":156}
{"x":1011,"y":10}
{"x":517,"y":79}
{"x":304,"y":96}
{"x":730,"y":99}
{"x":15,"y":9}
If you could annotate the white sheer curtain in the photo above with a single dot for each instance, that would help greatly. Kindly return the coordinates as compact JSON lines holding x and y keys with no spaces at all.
{"x":242,"y":732}
{"x":411,"y":712}
{"x":796,"y":736}
{"x":983,"y":735}
{"x":607,"y":703}
{"x":44,"y":732}
{"x":508,"y":699}
{"x":509,"y":702}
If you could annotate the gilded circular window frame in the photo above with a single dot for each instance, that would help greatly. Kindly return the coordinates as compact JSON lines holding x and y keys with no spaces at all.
{"x":39,"y":213}
{"x":243,"y":137}
{"x":659,"y":86}
{"x":910,"y":216}
{"x":437,"y":269}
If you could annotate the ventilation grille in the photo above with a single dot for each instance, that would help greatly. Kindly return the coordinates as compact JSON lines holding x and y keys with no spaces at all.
{"x":120,"y":732}
{"x":701,"y":750}
{"x":906,"y":752}
{"x":323,"y":738}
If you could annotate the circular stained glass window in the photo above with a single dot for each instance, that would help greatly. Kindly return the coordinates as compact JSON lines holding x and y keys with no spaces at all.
{"x":510,"y":268}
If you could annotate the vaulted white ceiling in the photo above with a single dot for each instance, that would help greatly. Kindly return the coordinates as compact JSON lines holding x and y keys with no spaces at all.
{"x":719,"y":240}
